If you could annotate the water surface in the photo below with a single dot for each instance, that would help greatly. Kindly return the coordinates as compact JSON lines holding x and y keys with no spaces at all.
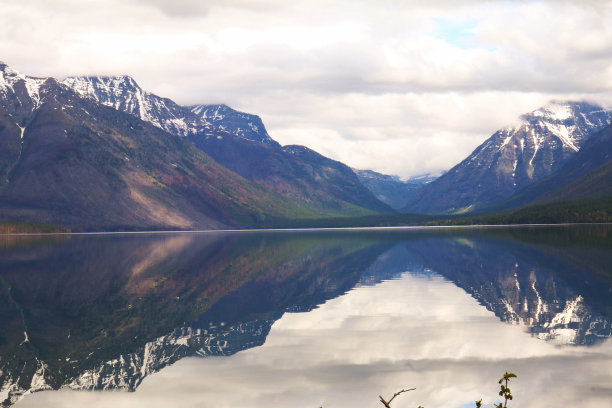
{"x":307,"y":319}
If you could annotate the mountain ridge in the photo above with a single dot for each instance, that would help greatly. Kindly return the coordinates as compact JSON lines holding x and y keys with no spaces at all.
{"x":512,"y":158}
{"x":586,"y":175}
{"x":72,"y":161}
{"x":240,"y":142}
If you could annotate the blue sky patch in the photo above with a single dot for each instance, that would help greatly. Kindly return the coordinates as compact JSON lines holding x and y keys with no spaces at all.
{"x":457,"y":33}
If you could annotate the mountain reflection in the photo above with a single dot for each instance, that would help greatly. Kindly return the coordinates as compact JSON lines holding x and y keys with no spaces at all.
{"x":103,"y":312}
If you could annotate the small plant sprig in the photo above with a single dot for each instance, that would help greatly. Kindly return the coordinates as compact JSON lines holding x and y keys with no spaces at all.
{"x":504,"y":390}
{"x":387,"y":404}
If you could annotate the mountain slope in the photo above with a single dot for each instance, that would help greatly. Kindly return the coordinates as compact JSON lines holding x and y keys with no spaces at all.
{"x":240,"y":142}
{"x":323,"y":185}
{"x":513,"y":158}
{"x":74,"y":162}
{"x":586,"y":175}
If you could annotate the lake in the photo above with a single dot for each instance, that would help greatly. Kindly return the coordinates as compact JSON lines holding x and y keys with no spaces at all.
{"x":307,"y":319}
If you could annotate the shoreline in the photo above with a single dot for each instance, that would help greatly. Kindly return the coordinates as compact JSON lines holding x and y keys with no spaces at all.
{"x":311,"y":229}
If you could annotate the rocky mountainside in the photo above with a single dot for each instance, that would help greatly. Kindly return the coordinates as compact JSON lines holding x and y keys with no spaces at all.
{"x":326,"y":186}
{"x":391,"y":190}
{"x":124,"y":94}
{"x":240,"y":142}
{"x":513,"y":158}
{"x":69,"y":160}
{"x":586,"y":175}
{"x":243,"y":125}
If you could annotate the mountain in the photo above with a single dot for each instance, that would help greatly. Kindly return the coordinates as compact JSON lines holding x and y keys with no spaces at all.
{"x":586,"y":175}
{"x":124,"y":94}
{"x":390,"y":189}
{"x":295,"y":172}
{"x":243,"y":125}
{"x":513,"y":158}
{"x":72,"y":161}
{"x":240,"y":142}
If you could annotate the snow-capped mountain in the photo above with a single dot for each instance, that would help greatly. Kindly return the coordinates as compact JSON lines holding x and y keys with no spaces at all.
{"x":513,"y":158}
{"x":69,"y":160}
{"x":243,"y":125}
{"x":124,"y":94}
{"x":586,"y":175}
{"x":91,"y":153}
{"x":239,"y":141}
{"x":21,"y":94}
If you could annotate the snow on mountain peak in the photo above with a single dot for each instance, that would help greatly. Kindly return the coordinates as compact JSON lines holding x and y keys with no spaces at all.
{"x":568,"y":121}
{"x":555,"y":110}
{"x":566,"y":124}
{"x":9,"y":79}
{"x":97,"y":85}
{"x":120,"y":92}
{"x":514,"y":157}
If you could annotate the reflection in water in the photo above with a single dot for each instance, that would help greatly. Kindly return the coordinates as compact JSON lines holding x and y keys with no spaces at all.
{"x":105,"y":312}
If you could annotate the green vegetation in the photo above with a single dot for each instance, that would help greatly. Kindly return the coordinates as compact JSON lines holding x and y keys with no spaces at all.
{"x":584,"y":211}
{"x":11,"y":227}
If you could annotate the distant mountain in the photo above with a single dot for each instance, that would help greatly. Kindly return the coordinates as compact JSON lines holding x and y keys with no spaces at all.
{"x":240,"y":142}
{"x":69,"y":160}
{"x":586,"y":175}
{"x":513,"y":158}
{"x":391,"y":190}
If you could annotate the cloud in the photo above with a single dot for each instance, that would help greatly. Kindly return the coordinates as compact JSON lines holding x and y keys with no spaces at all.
{"x":298,"y":62}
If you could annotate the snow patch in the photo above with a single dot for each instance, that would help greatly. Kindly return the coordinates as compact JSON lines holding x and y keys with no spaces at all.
{"x":555,"y":111}
{"x":506,"y":140}
{"x":563,"y":133}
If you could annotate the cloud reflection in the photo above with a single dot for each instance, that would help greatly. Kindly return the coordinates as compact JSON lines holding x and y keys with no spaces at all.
{"x":418,"y":331}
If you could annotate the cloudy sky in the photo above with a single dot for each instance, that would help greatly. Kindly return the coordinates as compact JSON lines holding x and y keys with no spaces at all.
{"x":402,"y":87}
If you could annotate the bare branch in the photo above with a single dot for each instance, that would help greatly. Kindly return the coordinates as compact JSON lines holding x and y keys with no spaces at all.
{"x":388,"y":403}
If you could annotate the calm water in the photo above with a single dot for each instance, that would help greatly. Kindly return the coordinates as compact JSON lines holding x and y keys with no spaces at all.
{"x":307,"y":319}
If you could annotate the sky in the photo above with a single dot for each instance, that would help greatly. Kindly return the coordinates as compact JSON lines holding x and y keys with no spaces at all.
{"x":401,"y":87}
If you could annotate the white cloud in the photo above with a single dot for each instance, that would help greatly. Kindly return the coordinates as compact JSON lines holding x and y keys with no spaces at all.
{"x":366,"y":72}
